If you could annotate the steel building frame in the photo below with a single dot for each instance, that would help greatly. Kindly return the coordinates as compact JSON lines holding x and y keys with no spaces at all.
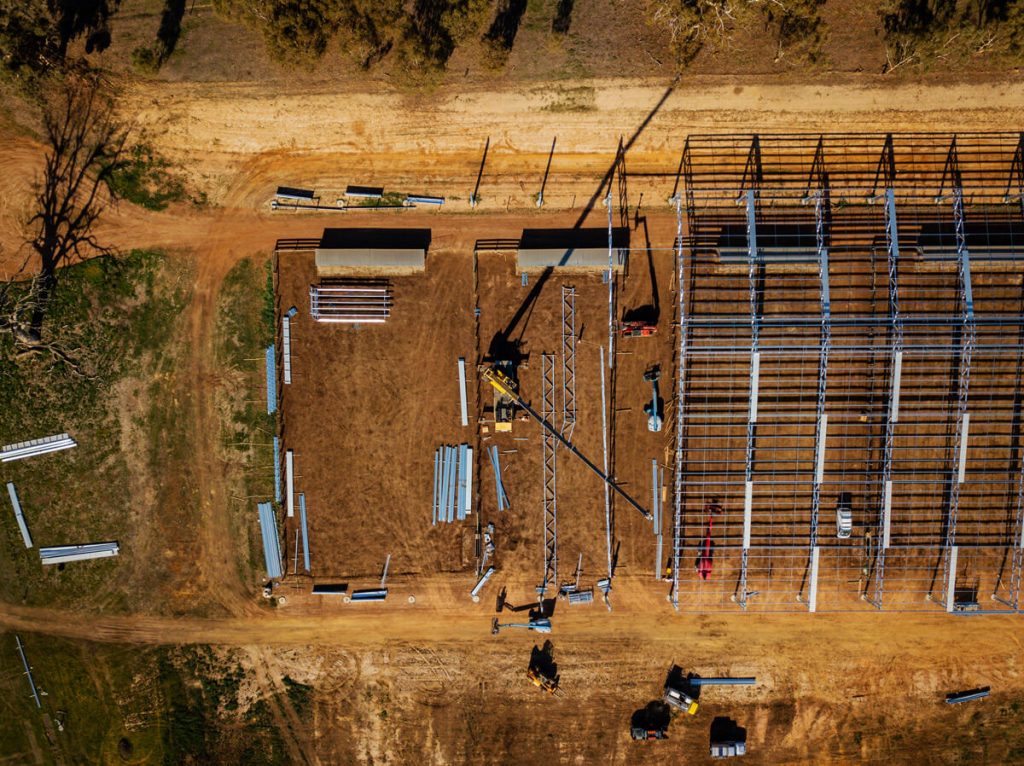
{"x":896,"y":341}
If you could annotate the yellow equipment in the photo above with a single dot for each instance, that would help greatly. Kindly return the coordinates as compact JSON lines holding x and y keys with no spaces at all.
{"x":504,"y":397}
{"x":541,"y":681}
{"x":680,"y":700}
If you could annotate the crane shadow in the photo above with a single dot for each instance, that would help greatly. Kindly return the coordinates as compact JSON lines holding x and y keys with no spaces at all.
{"x":506,"y":343}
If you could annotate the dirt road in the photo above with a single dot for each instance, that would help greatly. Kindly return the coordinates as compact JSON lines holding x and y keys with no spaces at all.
{"x":243,"y":139}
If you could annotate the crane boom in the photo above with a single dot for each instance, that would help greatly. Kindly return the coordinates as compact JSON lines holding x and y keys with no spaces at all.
{"x":505,"y":386}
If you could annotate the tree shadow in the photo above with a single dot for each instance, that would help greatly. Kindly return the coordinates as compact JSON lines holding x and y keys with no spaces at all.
{"x":563,"y":17}
{"x":170,"y":27}
{"x":505,"y":26}
{"x":83,"y":17}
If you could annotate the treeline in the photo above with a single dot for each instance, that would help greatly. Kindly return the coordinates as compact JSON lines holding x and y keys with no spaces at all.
{"x":35,"y":34}
{"x":423,"y":33}
{"x":919,"y":31}
{"x":916,"y":31}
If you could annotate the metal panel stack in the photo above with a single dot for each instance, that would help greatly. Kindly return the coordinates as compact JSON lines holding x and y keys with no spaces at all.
{"x":62,"y":554}
{"x":350,"y":304}
{"x":286,"y":346}
{"x":271,"y":544}
{"x":35,"y":447}
{"x":271,"y":380}
{"x":453,"y":484}
{"x":503,"y":503}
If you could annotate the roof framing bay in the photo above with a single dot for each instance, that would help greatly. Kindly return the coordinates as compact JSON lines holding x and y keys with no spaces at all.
{"x":677,"y":489}
{"x":882,"y":536}
{"x":677,"y":486}
{"x":967,"y":343}
{"x":754,"y":266}
{"x":821,"y":419}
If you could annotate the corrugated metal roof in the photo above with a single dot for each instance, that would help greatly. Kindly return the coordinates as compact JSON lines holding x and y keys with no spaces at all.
{"x":340,"y":261}
{"x":344,"y":250}
{"x":572,"y":248}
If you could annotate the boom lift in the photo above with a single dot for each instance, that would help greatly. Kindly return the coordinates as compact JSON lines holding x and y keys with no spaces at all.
{"x":501,"y":384}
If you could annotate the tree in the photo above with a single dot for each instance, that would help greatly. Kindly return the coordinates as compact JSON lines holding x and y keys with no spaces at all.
{"x":35,"y":34}
{"x":85,"y":148}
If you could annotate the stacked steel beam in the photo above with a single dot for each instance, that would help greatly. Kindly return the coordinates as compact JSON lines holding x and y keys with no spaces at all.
{"x":499,"y":485}
{"x":62,"y":554}
{"x":350,"y":304}
{"x":453,"y":484}
{"x":35,"y":447}
{"x":271,"y":543}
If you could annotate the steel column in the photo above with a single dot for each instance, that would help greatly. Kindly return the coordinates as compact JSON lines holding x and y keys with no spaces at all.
{"x":755,"y":372}
{"x":611,"y":282}
{"x":826,"y":343}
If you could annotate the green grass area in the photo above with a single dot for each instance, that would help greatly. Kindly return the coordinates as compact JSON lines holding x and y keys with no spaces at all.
{"x":570,"y":99}
{"x":148,"y":180}
{"x":106,"y":698}
{"x":134,"y":705}
{"x":388,"y":199}
{"x":117,"y":319}
{"x":299,"y":694}
{"x":245,"y":327}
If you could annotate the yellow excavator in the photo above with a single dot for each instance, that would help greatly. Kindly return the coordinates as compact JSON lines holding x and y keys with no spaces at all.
{"x":505,"y":388}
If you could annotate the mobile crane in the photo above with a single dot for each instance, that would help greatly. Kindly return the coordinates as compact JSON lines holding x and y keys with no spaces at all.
{"x":502,"y":384}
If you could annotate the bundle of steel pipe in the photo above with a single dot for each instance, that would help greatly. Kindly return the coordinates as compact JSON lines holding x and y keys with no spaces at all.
{"x":453,"y":484}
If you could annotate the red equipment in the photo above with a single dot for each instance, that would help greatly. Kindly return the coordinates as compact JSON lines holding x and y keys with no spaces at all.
{"x":637,"y":329}
{"x":704,"y":562}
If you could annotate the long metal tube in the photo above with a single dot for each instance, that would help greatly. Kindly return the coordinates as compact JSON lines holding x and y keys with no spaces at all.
{"x":607,"y":497}
{"x":743,"y":681}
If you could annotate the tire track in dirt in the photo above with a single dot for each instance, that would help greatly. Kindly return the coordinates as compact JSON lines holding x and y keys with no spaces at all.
{"x":269,"y":676}
{"x":213,"y":259}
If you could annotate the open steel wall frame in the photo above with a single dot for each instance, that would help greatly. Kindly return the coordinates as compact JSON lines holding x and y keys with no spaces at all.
{"x":548,"y":444}
{"x":568,"y":361}
{"x":891,"y":384}
{"x":680,"y":434}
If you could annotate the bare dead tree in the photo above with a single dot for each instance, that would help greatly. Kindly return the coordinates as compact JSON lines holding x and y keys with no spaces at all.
{"x":85,"y":146}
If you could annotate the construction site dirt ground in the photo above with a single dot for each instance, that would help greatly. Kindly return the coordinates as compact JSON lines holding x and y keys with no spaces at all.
{"x":369,"y":405}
